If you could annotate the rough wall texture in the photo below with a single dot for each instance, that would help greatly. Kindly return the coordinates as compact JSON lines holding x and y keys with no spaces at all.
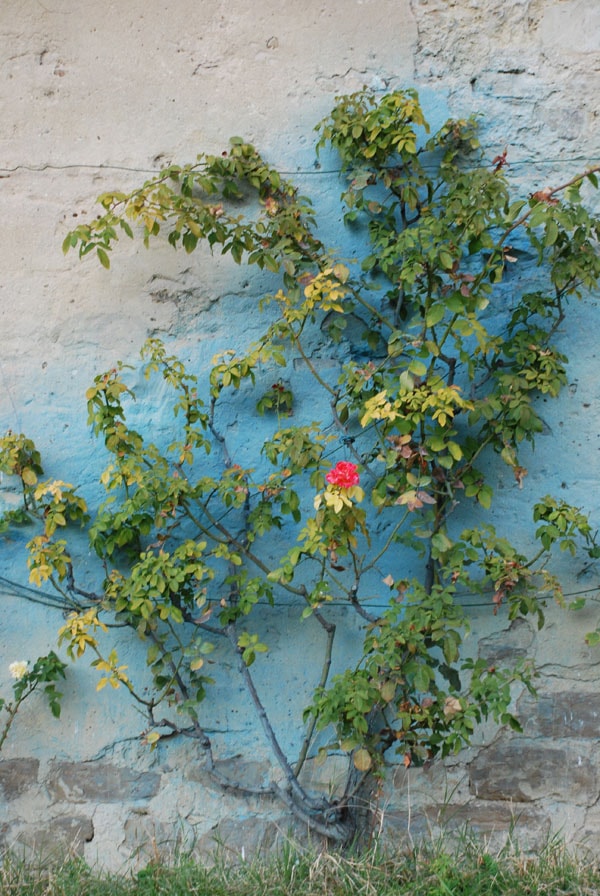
{"x":95,"y":96}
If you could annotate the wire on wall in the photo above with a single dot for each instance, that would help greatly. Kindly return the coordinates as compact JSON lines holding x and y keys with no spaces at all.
{"x":10,"y":588}
{"x":314,"y":171}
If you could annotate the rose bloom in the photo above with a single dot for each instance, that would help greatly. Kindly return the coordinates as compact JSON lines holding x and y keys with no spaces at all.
{"x":18,"y":669}
{"x":344,"y":474}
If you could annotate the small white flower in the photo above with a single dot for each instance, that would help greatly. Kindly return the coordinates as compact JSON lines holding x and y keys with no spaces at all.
{"x":18,"y":669}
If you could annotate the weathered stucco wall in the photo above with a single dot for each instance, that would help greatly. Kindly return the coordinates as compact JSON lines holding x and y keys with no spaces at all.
{"x":95,"y":96}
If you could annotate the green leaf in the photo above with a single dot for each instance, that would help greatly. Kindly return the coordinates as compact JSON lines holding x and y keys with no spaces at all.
{"x":406,"y":381}
{"x":551,"y":233}
{"x":446,"y":259}
{"x":435,"y":315}
{"x":441,"y":542}
{"x":485,"y":495}
{"x":103,"y":257}
{"x":422,"y":678}
{"x":417,"y":368}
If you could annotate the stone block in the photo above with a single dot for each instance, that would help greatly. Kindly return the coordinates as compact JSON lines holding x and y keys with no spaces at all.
{"x":401,"y":828}
{"x":523,"y":770}
{"x":495,"y":817}
{"x":244,"y":838}
{"x":507,"y":646}
{"x":587,"y":834}
{"x":80,"y":782}
{"x":430,"y":784}
{"x":497,"y":821}
{"x":572,"y":713}
{"x":55,"y":838}
{"x":149,"y":839}
{"x":16,"y":776}
{"x":326,"y":775}
{"x":497,"y":825}
{"x":248,"y":773}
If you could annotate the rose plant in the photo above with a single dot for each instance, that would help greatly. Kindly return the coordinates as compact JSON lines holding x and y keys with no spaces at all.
{"x":380,"y":505}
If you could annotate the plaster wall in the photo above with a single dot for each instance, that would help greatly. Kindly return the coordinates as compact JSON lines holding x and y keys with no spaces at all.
{"x":98,"y":96}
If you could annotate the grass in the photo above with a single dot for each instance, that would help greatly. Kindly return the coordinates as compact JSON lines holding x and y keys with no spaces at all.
{"x":468,"y":870}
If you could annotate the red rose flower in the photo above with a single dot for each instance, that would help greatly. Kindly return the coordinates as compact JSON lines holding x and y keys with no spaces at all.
{"x":344,"y":475}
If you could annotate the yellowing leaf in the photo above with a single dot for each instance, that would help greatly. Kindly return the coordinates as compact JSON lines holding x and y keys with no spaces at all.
{"x":362,"y":760}
{"x":28,"y":476}
{"x":388,"y":691}
{"x":455,"y":450}
{"x":341,"y":272}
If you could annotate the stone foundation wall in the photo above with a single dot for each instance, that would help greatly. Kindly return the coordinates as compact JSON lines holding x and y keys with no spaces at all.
{"x":98,"y":96}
